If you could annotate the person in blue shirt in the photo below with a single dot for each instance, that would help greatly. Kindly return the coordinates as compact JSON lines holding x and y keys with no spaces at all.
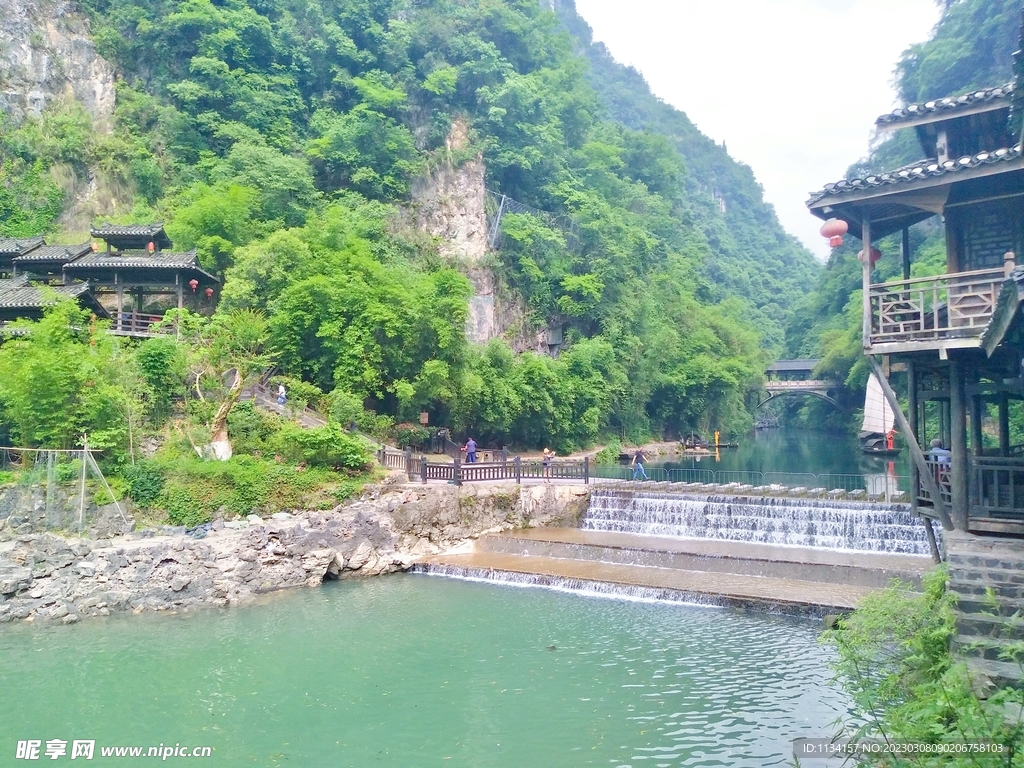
{"x":470,"y":449}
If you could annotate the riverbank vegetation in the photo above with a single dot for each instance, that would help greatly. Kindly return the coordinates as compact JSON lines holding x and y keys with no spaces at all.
{"x":284,"y":141}
{"x":893,"y":657}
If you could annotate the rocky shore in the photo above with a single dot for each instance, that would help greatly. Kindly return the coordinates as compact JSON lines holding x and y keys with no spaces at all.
{"x":48,"y":578}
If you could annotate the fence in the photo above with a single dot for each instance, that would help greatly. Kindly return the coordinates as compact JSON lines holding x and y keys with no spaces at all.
{"x":503,"y":468}
{"x":881,"y":484}
{"x":49,"y":491}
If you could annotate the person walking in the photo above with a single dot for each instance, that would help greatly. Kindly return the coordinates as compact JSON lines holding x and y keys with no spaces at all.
{"x":282,"y":395}
{"x":546,"y":464}
{"x":638,"y":464}
{"x":470,"y":449}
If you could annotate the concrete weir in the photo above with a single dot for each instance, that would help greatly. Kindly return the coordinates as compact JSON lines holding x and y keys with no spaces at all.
{"x":803,"y":556}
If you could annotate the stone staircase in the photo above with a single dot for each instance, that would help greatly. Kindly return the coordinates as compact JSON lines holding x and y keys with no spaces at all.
{"x":987,"y":575}
{"x":784,"y":579}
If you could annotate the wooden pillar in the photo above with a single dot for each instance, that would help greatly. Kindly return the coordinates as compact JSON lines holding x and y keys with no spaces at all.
{"x":1004,"y":424}
{"x":958,"y":443}
{"x":912,"y":413}
{"x":178,"y":286}
{"x":905,"y":252}
{"x":976,"y":437}
{"x":866,"y":279}
{"x":119,"y":290}
{"x":944,"y":421}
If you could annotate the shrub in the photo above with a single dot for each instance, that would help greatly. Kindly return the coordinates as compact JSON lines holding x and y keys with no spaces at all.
{"x":145,"y":482}
{"x":327,"y":446}
{"x":410,"y":435}
{"x":183,"y":508}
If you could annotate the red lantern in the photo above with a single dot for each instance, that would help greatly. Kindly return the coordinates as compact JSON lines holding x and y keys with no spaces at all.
{"x":875,"y":256}
{"x":209,"y":293}
{"x":193,"y":284}
{"x":151,"y":247}
{"x":834,"y":229}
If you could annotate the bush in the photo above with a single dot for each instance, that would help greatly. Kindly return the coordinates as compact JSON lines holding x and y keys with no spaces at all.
{"x":145,"y":482}
{"x":610,"y":453}
{"x":410,"y":435}
{"x":183,"y":508}
{"x":327,"y":446}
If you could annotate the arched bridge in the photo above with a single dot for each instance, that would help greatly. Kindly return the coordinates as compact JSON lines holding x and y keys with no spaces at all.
{"x":794,"y":377}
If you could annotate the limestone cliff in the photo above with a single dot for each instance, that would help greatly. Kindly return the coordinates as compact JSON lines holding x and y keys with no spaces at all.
{"x":47,"y":55}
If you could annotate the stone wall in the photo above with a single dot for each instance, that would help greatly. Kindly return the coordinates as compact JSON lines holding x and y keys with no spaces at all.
{"x":46,"y":577}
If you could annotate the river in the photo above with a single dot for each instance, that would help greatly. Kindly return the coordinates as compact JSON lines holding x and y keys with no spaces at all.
{"x":411,"y":670}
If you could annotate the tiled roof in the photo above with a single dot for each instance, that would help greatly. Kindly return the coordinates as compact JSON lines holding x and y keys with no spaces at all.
{"x":950,"y":105}
{"x":140,"y":230}
{"x":57,"y":253}
{"x":923,"y":169}
{"x":14,"y":246}
{"x":137,"y":259}
{"x":18,"y":292}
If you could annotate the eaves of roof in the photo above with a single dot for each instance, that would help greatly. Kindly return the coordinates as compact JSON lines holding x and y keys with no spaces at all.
{"x":982,"y":100}
{"x":875,"y":184}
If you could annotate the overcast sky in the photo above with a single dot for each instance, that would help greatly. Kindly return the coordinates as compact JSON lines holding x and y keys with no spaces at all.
{"x":792,"y":86}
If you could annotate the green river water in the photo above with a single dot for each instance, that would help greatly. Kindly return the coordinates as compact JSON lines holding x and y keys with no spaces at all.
{"x":413,"y":670}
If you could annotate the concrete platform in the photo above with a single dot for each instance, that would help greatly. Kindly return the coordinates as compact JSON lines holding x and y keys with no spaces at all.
{"x":784,"y":595}
{"x":868,"y":569}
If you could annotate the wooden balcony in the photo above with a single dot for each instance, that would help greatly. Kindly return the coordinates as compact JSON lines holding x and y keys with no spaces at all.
{"x":996,"y":493}
{"x":138,"y":324}
{"x":941,"y":312}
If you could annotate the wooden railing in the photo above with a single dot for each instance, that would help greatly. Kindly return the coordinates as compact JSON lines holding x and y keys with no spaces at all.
{"x":138,"y":324}
{"x":997,"y":488}
{"x":804,"y":384}
{"x":458,"y":472}
{"x":932,"y":308}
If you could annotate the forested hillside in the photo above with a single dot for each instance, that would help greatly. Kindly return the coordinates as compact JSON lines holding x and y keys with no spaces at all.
{"x":282,"y":138}
{"x":971,"y":47}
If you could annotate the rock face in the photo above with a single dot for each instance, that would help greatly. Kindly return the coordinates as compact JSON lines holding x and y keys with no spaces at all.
{"x":48,"y":578}
{"x":450,"y":205}
{"x":33,"y":510}
{"x":47,"y":55}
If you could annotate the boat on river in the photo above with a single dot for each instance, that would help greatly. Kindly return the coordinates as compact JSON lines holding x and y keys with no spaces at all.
{"x":877,"y":436}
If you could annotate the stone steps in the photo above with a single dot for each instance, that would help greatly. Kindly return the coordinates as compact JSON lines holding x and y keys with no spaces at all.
{"x":868,"y":569}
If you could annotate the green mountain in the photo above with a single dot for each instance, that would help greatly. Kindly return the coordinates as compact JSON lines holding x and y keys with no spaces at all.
{"x":289,"y":142}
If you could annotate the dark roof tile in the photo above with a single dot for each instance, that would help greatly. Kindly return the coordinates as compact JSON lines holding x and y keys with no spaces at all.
{"x":139,"y":259}
{"x":14,"y":246}
{"x":54,"y":253}
{"x":951,"y":105}
{"x":19,"y":292}
{"x":920,"y":170}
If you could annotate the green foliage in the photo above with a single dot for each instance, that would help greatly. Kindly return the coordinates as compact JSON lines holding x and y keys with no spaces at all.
{"x":893,"y":658}
{"x":145,"y":482}
{"x":327,"y":446}
{"x":59,"y":380}
{"x":411,"y":435}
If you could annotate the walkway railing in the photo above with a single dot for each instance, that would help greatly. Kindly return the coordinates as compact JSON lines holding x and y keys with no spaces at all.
{"x":138,"y":324}
{"x":515,"y":468}
{"x":931,"y":308}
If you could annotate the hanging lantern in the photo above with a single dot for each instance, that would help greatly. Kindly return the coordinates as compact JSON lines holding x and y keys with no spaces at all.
{"x":151,"y":246}
{"x":95,"y":247}
{"x":875,"y":256}
{"x":209,"y":293}
{"x":193,"y":284}
{"x":834,"y":229}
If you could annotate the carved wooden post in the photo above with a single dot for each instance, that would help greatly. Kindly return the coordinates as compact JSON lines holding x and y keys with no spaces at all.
{"x":423,"y":469}
{"x":519,"y":469}
{"x":408,"y":462}
{"x":380,"y":456}
{"x":586,"y":470}
{"x":457,"y":471}
{"x":1009,"y":263}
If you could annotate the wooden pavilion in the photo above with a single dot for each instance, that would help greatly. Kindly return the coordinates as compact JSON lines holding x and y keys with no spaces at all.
{"x":957,"y":335}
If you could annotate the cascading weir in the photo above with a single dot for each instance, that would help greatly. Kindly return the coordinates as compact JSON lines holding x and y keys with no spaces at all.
{"x":802,"y":522}
{"x":791,"y":555}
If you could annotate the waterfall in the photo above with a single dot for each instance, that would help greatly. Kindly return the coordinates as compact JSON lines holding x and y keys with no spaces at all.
{"x":805,"y":522}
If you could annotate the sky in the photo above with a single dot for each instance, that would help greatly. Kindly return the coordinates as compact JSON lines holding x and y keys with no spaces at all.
{"x":792,"y":87}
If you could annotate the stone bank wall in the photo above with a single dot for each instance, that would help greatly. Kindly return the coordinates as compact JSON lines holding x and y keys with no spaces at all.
{"x":45,"y":577}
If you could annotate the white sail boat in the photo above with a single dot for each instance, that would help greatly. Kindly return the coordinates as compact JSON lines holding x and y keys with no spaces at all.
{"x":878,"y":420}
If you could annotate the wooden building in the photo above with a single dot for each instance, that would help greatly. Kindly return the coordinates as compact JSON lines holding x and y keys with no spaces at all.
{"x":957,"y":335}
{"x":132,"y":280}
